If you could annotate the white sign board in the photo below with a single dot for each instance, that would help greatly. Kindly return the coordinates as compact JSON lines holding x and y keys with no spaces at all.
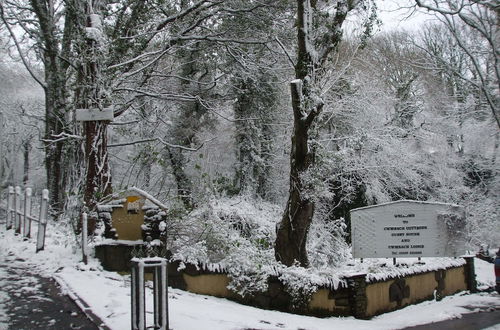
{"x":94,"y":114}
{"x":405,"y":229}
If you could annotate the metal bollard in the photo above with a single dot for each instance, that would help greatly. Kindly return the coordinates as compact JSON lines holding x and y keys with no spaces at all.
{"x":160,"y":283}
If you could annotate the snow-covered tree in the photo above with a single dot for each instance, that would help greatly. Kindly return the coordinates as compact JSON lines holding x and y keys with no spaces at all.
{"x":319,"y":32}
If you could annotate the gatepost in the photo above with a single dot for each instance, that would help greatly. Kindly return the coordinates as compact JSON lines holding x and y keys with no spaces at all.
{"x":470,"y":274}
{"x":358,"y":299}
{"x":160,"y":292}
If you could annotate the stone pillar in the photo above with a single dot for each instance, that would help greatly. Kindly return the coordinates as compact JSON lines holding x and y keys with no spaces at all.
{"x":358,"y":299}
{"x":470,"y":274}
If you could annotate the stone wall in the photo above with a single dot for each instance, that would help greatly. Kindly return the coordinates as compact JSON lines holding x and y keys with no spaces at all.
{"x":358,"y":298}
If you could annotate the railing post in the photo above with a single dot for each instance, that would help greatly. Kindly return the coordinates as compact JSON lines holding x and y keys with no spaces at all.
{"x":160,"y":282}
{"x":17,"y":214}
{"x":160,"y":298}
{"x":42,"y":221}
{"x":84,"y":238}
{"x":470,"y":274}
{"x":10,"y":207}
{"x":27,"y":213}
{"x":138,"y":296}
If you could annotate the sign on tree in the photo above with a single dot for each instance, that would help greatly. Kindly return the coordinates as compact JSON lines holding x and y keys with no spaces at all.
{"x":94,"y":114}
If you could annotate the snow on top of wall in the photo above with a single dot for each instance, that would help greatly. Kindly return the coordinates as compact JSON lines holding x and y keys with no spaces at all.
{"x":383,"y":269}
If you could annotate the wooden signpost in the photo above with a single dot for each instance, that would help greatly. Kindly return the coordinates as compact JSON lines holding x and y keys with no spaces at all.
{"x":95,"y":114}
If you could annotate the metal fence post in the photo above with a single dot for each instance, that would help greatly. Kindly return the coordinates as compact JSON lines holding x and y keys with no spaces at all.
{"x":84,"y":238}
{"x":160,"y":290}
{"x":27,"y":213}
{"x":42,"y":221}
{"x":160,"y":282}
{"x":138,"y":296}
{"x":17,"y":214}
{"x":10,"y":207}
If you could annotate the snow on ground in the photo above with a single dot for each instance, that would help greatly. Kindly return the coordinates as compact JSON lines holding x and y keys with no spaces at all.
{"x":485,"y":274}
{"x":189,"y":311}
{"x":3,"y":299}
{"x":108,"y":295}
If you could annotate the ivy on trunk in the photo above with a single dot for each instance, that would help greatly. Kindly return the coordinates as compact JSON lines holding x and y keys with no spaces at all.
{"x":319,"y":32}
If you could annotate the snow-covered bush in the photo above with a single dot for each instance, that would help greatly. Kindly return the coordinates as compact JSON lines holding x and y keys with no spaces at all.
{"x":237,"y":235}
{"x":326,"y":245}
{"x":234,"y":232}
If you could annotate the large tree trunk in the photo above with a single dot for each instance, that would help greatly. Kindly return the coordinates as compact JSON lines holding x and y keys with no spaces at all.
{"x":254,"y":110}
{"x":97,"y":172}
{"x":55,"y":48}
{"x":55,"y":105}
{"x":55,"y":158}
{"x":292,"y":231}
{"x":248,"y":144}
{"x":26,"y":161}
{"x":191,"y":119}
{"x":184,"y":187}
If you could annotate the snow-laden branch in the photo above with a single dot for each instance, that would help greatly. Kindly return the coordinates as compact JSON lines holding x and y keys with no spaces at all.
{"x":62,"y":137}
{"x":440,"y":10}
{"x":285,"y":51}
{"x":114,"y":123}
{"x":162,"y":96}
{"x":135,"y":59}
{"x":157,"y":139}
{"x":131,"y":143}
{"x":185,"y":12}
{"x":219,"y":39}
{"x":19,"y":50}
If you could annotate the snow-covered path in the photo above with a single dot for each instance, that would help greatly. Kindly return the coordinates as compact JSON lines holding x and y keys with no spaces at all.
{"x":30,"y":301}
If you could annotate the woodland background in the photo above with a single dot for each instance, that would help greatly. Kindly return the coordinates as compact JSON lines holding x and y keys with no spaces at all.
{"x":204,"y":117}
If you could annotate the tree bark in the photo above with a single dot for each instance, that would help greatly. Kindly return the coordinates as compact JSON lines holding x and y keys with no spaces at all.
{"x":292,"y":231}
{"x":97,"y":171}
{"x":55,"y":104}
{"x":26,"y":161}
{"x":97,"y":174}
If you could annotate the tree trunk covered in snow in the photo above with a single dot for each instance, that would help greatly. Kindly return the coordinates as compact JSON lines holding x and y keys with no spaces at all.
{"x":90,"y":95}
{"x":255,"y":110}
{"x":26,"y":161}
{"x":315,"y":42}
{"x":40,"y":22}
{"x":56,"y":159}
{"x":192,"y":117}
{"x":178,"y":162}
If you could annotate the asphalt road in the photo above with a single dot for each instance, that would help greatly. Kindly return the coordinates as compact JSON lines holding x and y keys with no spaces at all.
{"x":29,"y":301}
{"x":473,"y":321}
